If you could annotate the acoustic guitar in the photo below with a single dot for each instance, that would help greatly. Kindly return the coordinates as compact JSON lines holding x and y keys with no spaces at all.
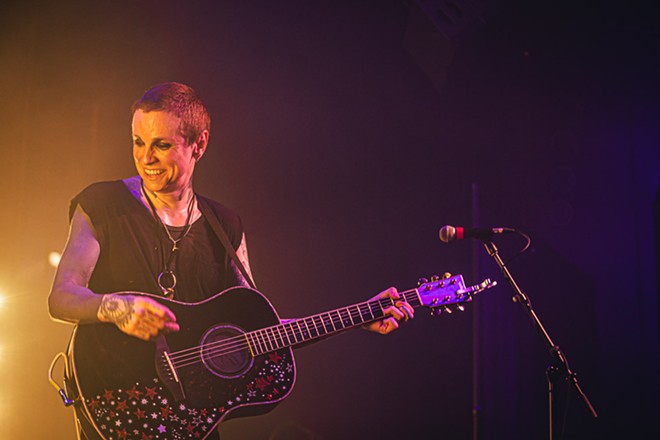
{"x":232,"y":357}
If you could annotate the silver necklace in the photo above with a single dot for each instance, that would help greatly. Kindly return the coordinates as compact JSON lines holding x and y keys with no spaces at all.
{"x":166,"y":278}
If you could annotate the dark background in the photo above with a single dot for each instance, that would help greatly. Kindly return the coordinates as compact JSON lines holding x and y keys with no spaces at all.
{"x":346,"y":133}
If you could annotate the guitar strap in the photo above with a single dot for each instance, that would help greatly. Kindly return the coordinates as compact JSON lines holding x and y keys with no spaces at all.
{"x":222,"y":235}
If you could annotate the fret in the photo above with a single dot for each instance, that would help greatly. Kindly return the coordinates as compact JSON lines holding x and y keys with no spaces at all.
{"x":385,"y":303}
{"x":310,"y":331}
{"x":371,"y":311}
{"x":257,"y":349}
{"x":279,"y":332}
{"x":260,"y":334}
{"x":273,"y":338}
{"x":251,"y":345}
{"x":347,"y":312}
{"x":293,"y":331}
{"x":277,"y":336}
{"x":350,"y":316}
{"x":345,"y":318}
{"x":325,"y":329}
{"x":376,"y":309}
{"x":327,"y":322}
{"x":286,"y":334}
{"x":342,"y":319}
{"x":259,"y":344}
{"x":309,"y":334}
{"x":315,"y":325}
{"x":304,"y":329}
{"x":329,"y":316}
{"x":362,"y":313}
{"x":297,"y":334}
{"x":358,"y":316}
{"x":365,"y":313}
{"x":264,"y":335}
{"x":300,"y":329}
{"x":316,"y":328}
{"x":339,"y":321}
{"x":336,"y":320}
{"x":414,"y":299}
{"x":379,"y":307}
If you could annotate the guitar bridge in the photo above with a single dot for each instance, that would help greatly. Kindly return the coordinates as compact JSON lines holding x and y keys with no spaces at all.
{"x":169,"y":363}
{"x":166,"y":370}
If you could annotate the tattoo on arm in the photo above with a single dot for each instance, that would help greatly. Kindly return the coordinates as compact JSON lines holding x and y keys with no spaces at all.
{"x":116,"y":309}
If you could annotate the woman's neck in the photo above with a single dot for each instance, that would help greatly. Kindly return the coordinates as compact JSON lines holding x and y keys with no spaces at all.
{"x":173,"y":208}
{"x":171,"y":202}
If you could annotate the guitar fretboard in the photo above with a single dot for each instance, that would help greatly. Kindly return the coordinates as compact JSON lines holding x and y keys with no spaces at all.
{"x":299,"y":331}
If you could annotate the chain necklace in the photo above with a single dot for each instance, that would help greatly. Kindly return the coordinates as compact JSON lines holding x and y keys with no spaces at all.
{"x":166,"y":278}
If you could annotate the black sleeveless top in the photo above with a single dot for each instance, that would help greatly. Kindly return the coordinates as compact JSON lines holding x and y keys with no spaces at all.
{"x":135,"y":248}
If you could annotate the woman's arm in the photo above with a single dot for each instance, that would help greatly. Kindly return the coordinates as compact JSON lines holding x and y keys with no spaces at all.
{"x":70,"y":299}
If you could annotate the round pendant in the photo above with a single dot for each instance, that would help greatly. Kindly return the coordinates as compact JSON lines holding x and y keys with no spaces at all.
{"x":167,"y":282}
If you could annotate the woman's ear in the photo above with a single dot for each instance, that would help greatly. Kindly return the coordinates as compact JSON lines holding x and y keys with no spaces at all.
{"x":199,"y":147}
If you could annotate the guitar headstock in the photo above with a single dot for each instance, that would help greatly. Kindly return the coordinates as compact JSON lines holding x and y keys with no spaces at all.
{"x":441,"y":292}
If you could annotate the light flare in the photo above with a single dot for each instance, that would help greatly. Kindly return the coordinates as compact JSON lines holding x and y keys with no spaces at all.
{"x":54,"y":259}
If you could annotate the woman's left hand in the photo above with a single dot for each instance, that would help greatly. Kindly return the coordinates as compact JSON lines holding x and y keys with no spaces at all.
{"x":396,"y":314}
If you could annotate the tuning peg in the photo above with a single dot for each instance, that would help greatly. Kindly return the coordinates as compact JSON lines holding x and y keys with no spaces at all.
{"x":422,"y":281}
{"x":446,"y":275}
{"x":448,"y":310}
{"x":460,"y":307}
{"x":435,"y":278}
{"x":436,"y":312}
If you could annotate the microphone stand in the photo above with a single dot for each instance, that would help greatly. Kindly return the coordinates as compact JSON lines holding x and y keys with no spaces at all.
{"x":560,"y":367}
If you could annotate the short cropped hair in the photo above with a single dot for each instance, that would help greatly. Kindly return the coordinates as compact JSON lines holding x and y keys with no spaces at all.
{"x":181,"y":101}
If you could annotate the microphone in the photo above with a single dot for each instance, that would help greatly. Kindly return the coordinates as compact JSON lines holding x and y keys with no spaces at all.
{"x":449,"y":233}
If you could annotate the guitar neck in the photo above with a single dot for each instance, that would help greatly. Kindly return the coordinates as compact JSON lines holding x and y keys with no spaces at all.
{"x":299,"y":331}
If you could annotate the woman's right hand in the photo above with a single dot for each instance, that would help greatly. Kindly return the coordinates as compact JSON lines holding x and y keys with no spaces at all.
{"x":137,"y":315}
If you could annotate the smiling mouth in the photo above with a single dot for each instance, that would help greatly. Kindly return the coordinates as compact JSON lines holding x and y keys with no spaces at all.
{"x":153,"y":172}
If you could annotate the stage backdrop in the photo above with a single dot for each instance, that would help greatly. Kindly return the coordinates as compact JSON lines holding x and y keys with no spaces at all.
{"x":346,"y":134}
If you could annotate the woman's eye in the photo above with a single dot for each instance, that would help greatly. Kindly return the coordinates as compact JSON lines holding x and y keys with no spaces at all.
{"x":163,"y":146}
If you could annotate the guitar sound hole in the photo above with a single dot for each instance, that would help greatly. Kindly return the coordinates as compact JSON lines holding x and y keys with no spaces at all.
{"x":225,"y":352}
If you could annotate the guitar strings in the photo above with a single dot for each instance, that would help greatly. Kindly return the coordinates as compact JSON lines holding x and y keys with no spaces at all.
{"x":285,"y":332}
{"x":263,"y":339}
{"x":267,"y":336}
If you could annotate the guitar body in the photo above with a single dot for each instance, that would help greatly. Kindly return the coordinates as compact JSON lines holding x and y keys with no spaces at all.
{"x":184,"y":384}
